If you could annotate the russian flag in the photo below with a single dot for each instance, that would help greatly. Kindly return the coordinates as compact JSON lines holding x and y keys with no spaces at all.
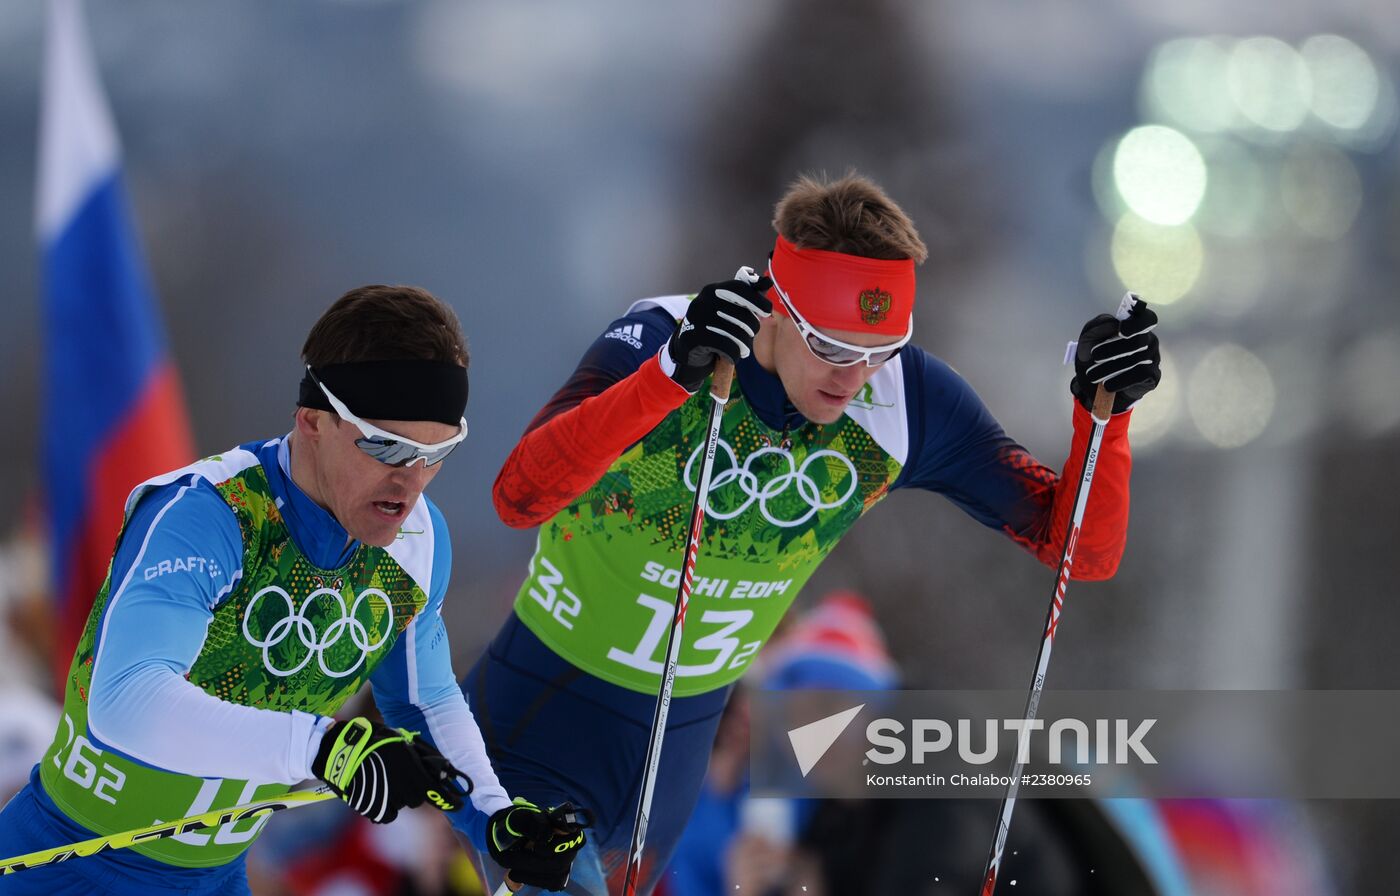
{"x":114,"y":414}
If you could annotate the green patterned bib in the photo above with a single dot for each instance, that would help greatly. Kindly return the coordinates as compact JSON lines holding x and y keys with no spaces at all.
{"x":603,"y":579}
{"x":290,"y":636}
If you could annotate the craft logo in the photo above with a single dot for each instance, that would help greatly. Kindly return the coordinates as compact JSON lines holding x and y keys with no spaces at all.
{"x":183,"y":564}
{"x":875,"y":306}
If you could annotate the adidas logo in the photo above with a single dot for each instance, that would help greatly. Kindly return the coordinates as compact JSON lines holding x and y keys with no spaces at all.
{"x":630,"y":334}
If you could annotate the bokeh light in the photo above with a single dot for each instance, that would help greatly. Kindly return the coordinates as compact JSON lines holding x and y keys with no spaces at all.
{"x":1106,"y":194}
{"x":1230,"y":396}
{"x":1366,"y":380}
{"x":1301,"y":380}
{"x":1159,"y":263}
{"x":1160,"y":410}
{"x":1321,"y":190}
{"x":1160,"y":174}
{"x":1240,"y":275}
{"x":1377,"y":132}
{"x":1182,"y":84}
{"x":1345,"y":83}
{"x":1315,"y":277}
{"x":1269,"y":83}
{"x":1237,"y":191}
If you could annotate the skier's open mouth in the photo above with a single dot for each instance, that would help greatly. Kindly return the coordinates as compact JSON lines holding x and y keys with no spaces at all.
{"x":833,"y":397}
{"x":391,"y":509}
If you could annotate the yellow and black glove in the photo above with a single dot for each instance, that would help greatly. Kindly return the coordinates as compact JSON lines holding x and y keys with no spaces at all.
{"x":379,"y":770}
{"x":537,"y":846}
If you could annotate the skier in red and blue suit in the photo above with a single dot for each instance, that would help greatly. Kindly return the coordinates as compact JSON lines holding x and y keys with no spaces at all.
{"x":831,"y":409}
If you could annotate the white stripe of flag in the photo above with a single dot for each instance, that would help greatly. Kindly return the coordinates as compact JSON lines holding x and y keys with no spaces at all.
{"x":78,"y":147}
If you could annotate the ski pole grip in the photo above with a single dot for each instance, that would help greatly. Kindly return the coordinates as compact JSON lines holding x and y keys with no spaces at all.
{"x":723,"y":377}
{"x":1126,"y":305}
{"x":1103,"y":404}
{"x":721,"y":380}
{"x":1103,"y":399}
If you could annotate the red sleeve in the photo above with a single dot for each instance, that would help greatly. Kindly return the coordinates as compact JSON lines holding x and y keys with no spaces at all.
{"x":566,"y":451}
{"x":1104,"y":532}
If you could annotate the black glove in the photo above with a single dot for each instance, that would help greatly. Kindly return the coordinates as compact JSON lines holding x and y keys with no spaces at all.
{"x":1123,"y":355}
{"x":537,"y":846}
{"x":722,"y":320}
{"x":379,"y":770}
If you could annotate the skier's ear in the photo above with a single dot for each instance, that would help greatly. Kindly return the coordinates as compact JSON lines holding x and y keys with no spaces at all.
{"x":312,"y":423}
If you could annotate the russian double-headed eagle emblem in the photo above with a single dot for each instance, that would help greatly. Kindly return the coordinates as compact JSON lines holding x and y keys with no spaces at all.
{"x":875,"y":305}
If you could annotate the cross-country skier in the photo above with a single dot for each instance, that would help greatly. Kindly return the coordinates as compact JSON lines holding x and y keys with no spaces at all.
{"x":250,"y":595}
{"x":831,"y":409}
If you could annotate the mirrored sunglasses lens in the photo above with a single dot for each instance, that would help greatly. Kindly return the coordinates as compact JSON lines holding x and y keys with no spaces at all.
{"x":436,"y":457}
{"x":832,"y":354}
{"x":385,"y":451}
{"x":395,"y":453}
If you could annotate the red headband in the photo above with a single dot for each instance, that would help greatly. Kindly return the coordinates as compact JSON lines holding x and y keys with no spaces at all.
{"x":836,"y":291}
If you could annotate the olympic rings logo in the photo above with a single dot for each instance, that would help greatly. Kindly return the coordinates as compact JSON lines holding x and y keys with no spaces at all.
{"x":316,"y":645}
{"x":743,"y":478}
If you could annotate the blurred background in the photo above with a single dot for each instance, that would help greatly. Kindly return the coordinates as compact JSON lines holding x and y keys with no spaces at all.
{"x":541,"y":164}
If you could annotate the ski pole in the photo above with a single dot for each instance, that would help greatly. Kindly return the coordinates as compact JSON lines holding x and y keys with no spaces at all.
{"x":1103,"y":409}
{"x":720,"y":381}
{"x":211,"y":819}
{"x":162,"y":830}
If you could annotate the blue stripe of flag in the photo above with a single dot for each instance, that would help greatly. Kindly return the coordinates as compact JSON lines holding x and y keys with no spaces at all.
{"x":103,"y":342}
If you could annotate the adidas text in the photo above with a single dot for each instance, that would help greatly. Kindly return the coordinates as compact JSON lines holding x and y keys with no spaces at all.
{"x":630,"y":334}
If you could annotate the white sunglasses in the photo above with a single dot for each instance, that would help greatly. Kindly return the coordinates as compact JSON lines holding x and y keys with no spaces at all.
{"x":834,"y":351}
{"x":391,"y":448}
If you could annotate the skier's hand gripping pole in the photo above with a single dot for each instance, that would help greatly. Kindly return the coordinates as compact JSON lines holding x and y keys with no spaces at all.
{"x":536,"y":846}
{"x":380,"y":771}
{"x":1116,"y":359}
{"x":1115,"y":355}
{"x":718,"y":331}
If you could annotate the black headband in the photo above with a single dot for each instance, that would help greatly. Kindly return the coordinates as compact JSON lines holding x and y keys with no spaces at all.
{"x":391,"y":390}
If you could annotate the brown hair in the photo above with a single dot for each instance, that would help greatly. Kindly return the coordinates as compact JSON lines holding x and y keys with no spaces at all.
{"x":851,"y":215}
{"x":386,"y":323}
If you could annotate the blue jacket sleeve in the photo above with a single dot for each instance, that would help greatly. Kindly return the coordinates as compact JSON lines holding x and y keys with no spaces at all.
{"x":416,"y":689}
{"x":958,"y":449}
{"x":179,"y":555}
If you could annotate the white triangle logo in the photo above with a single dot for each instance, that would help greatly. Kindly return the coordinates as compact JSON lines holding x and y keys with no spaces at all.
{"x":811,"y":741}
